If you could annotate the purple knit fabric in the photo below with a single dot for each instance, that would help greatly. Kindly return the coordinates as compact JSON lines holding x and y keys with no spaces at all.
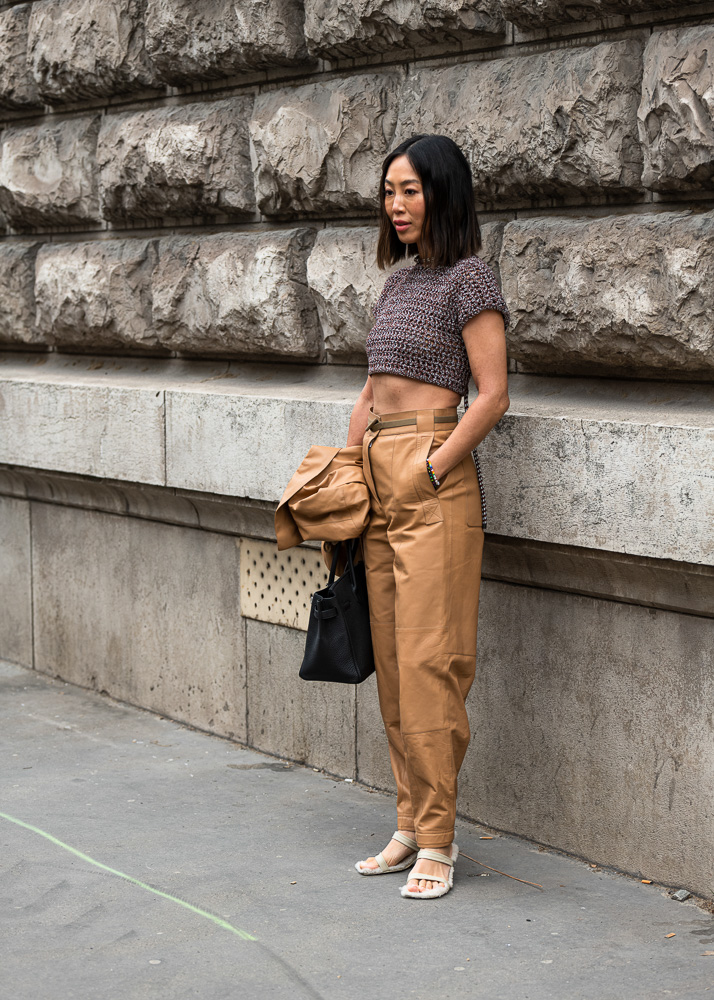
{"x":419,"y":317}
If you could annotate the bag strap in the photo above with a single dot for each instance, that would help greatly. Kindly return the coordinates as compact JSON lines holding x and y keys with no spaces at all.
{"x":479,"y":474}
{"x":333,"y":567}
{"x":351,"y":545}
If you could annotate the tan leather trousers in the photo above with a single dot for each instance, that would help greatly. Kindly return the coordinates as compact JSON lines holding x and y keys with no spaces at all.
{"x":422,"y":552}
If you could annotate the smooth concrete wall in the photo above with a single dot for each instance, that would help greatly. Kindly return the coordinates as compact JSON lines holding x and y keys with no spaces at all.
{"x":309,"y":722}
{"x":592,"y":730}
{"x":15,"y":582}
{"x":145,"y":611}
{"x":591,"y":719}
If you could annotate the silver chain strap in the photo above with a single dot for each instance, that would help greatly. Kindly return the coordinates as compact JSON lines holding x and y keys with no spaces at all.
{"x":479,"y":474}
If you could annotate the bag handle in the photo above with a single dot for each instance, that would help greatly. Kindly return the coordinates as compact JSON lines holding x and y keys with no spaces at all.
{"x":350,"y":568}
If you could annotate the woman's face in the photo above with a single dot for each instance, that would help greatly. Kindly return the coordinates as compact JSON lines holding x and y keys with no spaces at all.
{"x":404,"y":199}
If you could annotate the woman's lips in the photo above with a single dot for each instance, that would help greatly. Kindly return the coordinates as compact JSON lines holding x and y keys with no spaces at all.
{"x":402,"y":225}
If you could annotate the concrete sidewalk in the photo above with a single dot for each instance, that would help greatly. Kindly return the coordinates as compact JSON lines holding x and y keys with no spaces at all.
{"x":262,"y":851}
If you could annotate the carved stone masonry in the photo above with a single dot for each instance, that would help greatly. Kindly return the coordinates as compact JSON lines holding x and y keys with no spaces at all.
{"x":626,"y":293}
{"x":177,"y":161}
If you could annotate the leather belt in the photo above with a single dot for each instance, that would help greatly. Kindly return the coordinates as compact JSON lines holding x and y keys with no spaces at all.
{"x":376,"y":423}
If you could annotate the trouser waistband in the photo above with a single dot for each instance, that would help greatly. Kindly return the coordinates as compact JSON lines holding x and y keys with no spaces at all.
{"x":408,"y":418}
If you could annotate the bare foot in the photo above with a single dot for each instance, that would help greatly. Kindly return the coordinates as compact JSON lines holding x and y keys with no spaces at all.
{"x":436,"y":868}
{"x":393,"y":853}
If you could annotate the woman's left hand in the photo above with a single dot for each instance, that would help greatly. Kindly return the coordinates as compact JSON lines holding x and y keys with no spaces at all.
{"x":438,"y":471}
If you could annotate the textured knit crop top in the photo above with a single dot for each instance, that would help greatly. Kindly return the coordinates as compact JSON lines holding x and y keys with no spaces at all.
{"x":419,"y":316}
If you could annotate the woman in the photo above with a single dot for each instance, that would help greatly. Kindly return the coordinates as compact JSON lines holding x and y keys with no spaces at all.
{"x":435,"y":323}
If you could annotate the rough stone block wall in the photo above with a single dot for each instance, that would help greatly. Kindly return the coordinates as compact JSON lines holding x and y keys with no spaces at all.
{"x":626,"y":293}
{"x":187,"y":238}
{"x":187,"y":160}
{"x":77,"y":49}
{"x":592,"y":156}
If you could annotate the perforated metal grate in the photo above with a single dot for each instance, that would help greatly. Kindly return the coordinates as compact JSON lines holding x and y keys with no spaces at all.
{"x":278,"y":586}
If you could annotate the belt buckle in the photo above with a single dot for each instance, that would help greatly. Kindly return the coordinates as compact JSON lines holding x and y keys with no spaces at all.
{"x":372,"y":423}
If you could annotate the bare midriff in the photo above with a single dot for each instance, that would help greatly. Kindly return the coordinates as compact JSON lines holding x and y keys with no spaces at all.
{"x":394,"y":393}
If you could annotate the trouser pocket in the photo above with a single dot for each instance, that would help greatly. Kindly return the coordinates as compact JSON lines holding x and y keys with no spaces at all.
{"x":423,"y":486}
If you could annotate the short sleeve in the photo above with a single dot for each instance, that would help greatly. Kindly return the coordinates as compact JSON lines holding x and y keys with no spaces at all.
{"x":478,"y":290}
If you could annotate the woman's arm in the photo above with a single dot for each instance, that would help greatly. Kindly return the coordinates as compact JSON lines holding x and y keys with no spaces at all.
{"x":360,"y":414}
{"x":485,"y":339}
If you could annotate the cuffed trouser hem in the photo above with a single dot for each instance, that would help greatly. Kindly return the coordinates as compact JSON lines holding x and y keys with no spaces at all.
{"x":433,"y":840}
{"x":405,"y":822}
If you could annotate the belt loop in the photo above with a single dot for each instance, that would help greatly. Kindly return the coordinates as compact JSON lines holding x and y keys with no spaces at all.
{"x":373,"y":420}
{"x":424,"y":421}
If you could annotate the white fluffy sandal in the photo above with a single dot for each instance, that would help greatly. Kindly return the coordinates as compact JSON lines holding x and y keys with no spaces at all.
{"x":443,"y":889}
{"x":383,"y":866}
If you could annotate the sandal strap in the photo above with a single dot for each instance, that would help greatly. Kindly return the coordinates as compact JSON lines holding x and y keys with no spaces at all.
{"x":415,"y":876}
{"x":379,"y":858}
{"x":406,"y":841}
{"x":435,"y":856}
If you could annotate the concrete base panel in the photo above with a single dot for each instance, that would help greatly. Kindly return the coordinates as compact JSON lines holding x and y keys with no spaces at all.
{"x":592,"y":731}
{"x":310,"y":722}
{"x":591,"y":719}
{"x":145,"y":611}
{"x":373,"y":766}
{"x":15,"y":582}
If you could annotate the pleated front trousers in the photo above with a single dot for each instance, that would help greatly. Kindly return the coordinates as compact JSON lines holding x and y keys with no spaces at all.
{"x":422,"y":552}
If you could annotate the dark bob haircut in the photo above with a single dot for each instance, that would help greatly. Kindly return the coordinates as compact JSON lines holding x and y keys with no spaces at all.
{"x":451,"y":230}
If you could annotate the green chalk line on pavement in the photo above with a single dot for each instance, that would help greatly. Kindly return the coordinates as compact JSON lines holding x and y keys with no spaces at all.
{"x":174,"y":899}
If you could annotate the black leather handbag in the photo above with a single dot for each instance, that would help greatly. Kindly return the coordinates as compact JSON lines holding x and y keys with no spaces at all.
{"x":339,"y":640}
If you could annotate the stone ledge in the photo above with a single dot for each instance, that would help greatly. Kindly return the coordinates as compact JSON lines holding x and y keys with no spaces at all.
{"x":654,"y":583}
{"x":182,"y":508}
{"x":614,"y":576}
{"x":617,"y":466}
